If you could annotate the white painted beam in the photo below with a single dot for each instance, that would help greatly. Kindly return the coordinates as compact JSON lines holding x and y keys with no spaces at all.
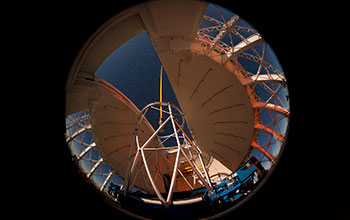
{"x":95,"y":167}
{"x":106,"y":180}
{"x":82,"y":154}
{"x":79,"y":131}
{"x":245,"y":44}
{"x":264,"y":78}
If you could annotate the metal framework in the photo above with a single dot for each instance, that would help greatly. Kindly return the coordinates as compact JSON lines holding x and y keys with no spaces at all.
{"x":184,"y":148}
{"x":266,"y":87}
{"x":83,"y":148}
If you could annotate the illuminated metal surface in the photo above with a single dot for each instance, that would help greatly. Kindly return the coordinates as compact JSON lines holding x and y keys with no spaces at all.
{"x":176,"y":131}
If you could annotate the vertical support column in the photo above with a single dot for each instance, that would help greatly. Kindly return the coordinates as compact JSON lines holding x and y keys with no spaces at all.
{"x":155,"y":188}
{"x":127,"y":172}
{"x":137,"y":154}
{"x":205,"y":170}
{"x":173,"y":179}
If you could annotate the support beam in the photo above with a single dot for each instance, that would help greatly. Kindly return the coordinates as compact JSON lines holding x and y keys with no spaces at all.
{"x":160,"y":148}
{"x":264,"y":78}
{"x":184,"y":178}
{"x":245,"y":44}
{"x":226,"y":28}
{"x":265,"y":152}
{"x":131,"y":171}
{"x":82,"y":154}
{"x":191,"y":187}
{"x":79,"y":131}
{"x":95,"y":167}
{"x":155,"y":133}
{"x":272,"y":107}
{"x":176,"y":165}
{"x":106,"y":181}
{"x":193,"y":166}
{"x":155,"y":188}
{"x":258,"y":60}
{"x":212,"y":20}
{"x":126,"y":180}
{"x":76,"y":121}
{"x":270,"y":131}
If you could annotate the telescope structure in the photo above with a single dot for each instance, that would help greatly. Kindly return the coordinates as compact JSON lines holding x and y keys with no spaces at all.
{"x":233,"y":106}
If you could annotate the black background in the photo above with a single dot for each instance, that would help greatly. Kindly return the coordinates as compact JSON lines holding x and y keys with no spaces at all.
{"x":310,"y":179}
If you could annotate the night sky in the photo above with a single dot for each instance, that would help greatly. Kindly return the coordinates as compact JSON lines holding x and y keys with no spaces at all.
{"x":134,"y":69}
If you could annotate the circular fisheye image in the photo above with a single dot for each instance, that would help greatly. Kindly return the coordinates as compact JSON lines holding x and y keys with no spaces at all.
{"x":176,"y":109}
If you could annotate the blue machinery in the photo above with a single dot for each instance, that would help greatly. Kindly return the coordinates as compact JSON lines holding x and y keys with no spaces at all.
{"x":237,"y":184}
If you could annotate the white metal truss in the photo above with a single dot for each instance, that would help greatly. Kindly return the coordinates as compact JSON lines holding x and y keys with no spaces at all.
{"x":86,"y":150}
{"x":177,"y":133}
{"x":106,"y":181}
{"x":99,"y":162}
{"x":77,"y":124}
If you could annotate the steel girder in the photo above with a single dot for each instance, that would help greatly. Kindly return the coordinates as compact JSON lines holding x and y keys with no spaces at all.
{"x":231,"y":52}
